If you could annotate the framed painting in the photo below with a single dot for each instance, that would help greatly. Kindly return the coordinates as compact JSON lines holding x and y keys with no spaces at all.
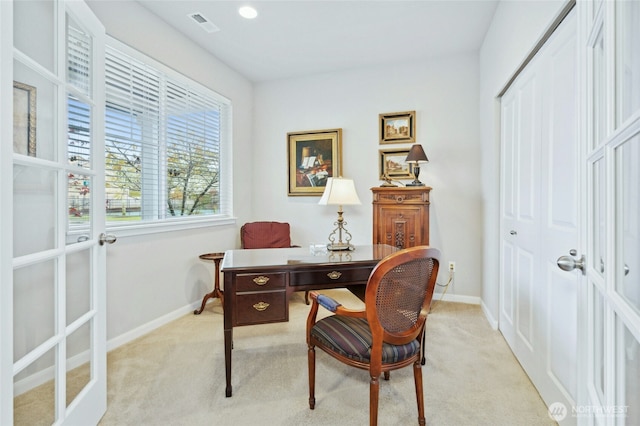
{"x":393,"y":166}
{"x":398,"y":127}
{"x":24,"y":119}
{"x":314,"y":156}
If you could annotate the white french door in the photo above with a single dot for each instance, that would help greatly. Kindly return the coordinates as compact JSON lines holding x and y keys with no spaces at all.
{"x":610,"y":37}
{"x":53,"y":281}
{"x":540,"y":220}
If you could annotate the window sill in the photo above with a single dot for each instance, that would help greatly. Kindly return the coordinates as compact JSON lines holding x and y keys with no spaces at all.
{"x":132,"y":230}
{"x":167,"y":226}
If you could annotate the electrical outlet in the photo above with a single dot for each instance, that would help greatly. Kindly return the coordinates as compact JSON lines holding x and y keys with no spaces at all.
{"x":452,"y":266}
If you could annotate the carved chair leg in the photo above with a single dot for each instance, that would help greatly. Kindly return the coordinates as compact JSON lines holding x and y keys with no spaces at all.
{"x":312,"y":377}
{"x":417,"y":375}
{"x":374,"y":391}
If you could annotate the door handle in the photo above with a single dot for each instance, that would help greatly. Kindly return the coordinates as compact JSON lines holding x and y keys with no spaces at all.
{"x":107,"y":238}
{"x":569,"y":263}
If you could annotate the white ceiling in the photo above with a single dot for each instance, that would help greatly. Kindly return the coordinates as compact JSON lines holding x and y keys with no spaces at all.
{"x":301,"y":37}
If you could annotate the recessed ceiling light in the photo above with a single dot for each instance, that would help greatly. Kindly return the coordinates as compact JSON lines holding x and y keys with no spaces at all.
{"x":248,"y":12}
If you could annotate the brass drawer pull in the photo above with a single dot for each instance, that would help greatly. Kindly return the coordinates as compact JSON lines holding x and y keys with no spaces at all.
{"x":261,"y":280}
{"x":334,"y":275}
{"x":261,"y":306}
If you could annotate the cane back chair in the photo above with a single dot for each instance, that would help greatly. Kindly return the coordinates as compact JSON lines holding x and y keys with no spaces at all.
{"x":388,"y":333}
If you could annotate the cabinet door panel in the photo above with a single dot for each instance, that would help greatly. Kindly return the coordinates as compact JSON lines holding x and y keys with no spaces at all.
{"x":401,"y":216}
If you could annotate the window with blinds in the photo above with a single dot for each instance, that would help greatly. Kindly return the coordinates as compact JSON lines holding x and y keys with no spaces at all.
{"x":163,"y":140}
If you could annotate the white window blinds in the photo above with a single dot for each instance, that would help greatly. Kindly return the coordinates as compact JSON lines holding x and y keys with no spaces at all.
{"x":163,"y":143}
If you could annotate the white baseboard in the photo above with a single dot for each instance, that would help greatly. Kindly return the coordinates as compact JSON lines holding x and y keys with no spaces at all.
{"x":47,"y":374}
{"x":140,"y":331}
{"x":448,"y":297}
{"x":492,"y":321}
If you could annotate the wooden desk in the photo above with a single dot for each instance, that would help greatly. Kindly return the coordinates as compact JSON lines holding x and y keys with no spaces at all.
{"x":258,"y":283}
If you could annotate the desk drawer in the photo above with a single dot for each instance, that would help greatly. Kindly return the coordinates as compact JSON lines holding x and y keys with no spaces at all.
{"x":261,"y":307}
{"x":333,"y":275}
{"x":260,"y":282}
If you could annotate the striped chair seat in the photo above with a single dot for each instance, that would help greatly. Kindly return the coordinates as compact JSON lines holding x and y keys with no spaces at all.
{"x":351,"y":337}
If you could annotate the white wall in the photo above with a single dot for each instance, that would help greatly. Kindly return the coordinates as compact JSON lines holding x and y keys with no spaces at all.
{"x":516,"y":28}
{"x":159,"y":275}
{"x":444,"y":94}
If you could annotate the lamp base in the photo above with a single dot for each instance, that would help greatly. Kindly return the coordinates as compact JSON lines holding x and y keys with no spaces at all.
{"x":416,"y":173}
{"x":340,"y":247}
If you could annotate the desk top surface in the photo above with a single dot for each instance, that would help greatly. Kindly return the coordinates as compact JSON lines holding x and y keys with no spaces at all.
{"x":292,"y":258}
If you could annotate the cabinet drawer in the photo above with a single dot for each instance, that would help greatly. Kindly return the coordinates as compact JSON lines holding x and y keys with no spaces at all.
{"x":403,"y":198}
{"x":260,"y":307}
{"x":335,"y":275}
{"x":260,"y":282}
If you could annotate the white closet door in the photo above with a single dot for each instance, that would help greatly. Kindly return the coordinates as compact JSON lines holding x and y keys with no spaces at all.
{"x":540,"y":222}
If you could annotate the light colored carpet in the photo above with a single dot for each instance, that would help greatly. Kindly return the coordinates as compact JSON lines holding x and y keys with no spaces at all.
{"x":175,"y":376}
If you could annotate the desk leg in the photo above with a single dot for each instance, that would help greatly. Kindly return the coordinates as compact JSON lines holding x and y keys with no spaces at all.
{"x":228,"y":343}
{"x":228,"y":328}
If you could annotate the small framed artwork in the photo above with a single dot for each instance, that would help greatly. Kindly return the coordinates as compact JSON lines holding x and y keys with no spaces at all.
{"x":393,"y":166}
{"x":398,"y":127}
{"x":24,"y":119}
{"x":314,"y":157}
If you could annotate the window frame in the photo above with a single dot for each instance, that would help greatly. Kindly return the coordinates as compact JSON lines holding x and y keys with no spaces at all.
{"x":226,"y":216}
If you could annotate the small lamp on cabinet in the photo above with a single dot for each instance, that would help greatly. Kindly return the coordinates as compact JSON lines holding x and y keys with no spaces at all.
{"x":416,"y":155}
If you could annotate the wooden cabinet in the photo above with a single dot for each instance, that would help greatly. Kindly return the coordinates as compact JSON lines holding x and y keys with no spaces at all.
{"x":401,"y":216}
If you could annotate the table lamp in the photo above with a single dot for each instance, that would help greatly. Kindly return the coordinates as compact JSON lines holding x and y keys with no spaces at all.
{"x":339,"y":192}
{"x":416,"y":155}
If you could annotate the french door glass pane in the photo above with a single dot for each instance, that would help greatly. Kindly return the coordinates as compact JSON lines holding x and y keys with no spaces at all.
{"x":78,"y":347}
{"x":79,"y":136}
{"x":598,"y":214}
{"x":628,"y":223}
{"x":79,"y":199}
{"x":627,"y":59}
{"x":79,"y":187}
{"x":34,"y":99}
{"x":38,"y":45}
{"x":33,"y":210}
{"x":78,"y":57}
{"x":597,"y":308}
{"x":35,"y":407}
{"x":34,"y":298}
{"x":599,"y":87}
{"x":78,"y":293}
{"x":628,"y":357}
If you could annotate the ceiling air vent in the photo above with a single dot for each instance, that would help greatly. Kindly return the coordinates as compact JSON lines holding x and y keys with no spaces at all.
{"x":203,"y":22}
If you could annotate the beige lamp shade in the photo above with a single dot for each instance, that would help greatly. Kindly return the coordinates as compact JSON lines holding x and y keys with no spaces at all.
{"x":340,"y":192}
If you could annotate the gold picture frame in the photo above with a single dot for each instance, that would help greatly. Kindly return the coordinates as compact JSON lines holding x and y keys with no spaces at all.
{"x":24,"y":119}
{"x":314,"y":156}
{"x":392,"y":165}
{"x":398,"y":127}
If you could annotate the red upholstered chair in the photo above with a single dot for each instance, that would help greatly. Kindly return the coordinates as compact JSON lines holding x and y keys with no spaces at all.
{"x":257,"y":235}
{"x":388,"y":333}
